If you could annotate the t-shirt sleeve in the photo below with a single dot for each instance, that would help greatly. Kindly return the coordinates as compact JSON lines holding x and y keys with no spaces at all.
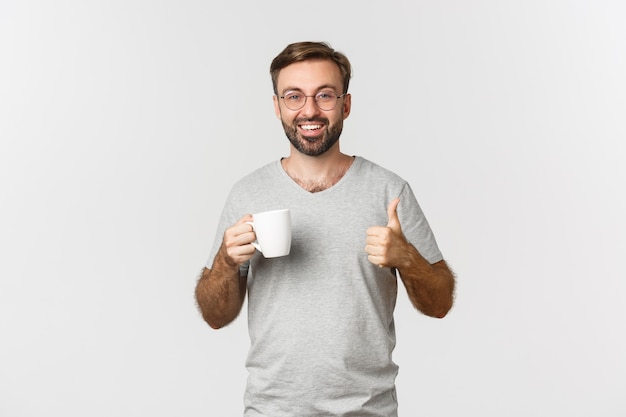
{"x":415,"y":226}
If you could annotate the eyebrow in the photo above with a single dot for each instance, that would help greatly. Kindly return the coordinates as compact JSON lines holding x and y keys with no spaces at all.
{"x":320,"y":88}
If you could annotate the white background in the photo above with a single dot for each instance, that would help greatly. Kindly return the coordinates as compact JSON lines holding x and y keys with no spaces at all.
{"x":123,"y":125}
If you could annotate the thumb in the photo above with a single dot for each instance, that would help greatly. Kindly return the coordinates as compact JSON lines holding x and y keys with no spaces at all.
{"x":392,"y":215}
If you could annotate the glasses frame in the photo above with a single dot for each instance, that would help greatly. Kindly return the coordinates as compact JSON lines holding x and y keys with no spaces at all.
{"x":314,"y":100}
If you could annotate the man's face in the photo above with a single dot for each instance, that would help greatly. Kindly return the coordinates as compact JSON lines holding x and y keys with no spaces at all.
{"x":311,"y":130}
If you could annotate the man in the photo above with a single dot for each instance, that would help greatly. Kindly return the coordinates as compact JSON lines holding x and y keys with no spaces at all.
{"x":321,"y":319}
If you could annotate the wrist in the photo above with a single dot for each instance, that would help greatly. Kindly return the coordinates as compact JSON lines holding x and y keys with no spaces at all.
{"x":226,"y":261}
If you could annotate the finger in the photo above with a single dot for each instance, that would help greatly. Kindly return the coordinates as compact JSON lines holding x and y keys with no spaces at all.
{"x":246,"y":218}
{"x":378,"y":251}
{"x":240,"y":233}
{"x":376,"y":260}
{"x":392,"y":215}
{"x":244,"y":225}
{"x":242,"y":229}
{"x":375,"y":230}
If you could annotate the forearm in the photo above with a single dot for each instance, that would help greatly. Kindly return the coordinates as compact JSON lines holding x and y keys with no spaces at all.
{"x":220,"y":292}
{"x":430,"y":286}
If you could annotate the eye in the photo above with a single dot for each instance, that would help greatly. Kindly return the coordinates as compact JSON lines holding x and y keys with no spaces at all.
{"x":293,"y":96}
{"x":325,"y":95}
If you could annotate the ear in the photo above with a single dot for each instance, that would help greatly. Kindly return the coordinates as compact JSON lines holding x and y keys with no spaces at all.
{"x":276,"y":106}
{"x":347,"y":105}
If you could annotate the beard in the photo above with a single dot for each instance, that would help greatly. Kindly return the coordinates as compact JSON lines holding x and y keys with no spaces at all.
{"x":313,"y":145}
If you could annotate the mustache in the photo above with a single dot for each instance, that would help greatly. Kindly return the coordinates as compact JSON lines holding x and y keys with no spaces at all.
{"x":303,"y":120}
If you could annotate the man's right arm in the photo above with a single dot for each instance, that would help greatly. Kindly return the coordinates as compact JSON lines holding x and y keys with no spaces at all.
{"x":221,"y":290}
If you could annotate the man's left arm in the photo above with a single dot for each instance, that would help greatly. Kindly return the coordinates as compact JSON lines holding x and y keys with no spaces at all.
{"x":430,"y":286}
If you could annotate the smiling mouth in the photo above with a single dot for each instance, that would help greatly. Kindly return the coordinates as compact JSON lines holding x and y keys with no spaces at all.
{"x":311,"y":127}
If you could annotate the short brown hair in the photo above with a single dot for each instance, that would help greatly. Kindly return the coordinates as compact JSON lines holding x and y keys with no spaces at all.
{"x":304,"y":51}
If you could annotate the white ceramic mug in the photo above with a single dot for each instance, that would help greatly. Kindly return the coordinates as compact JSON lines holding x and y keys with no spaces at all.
{"x":273,"y":232}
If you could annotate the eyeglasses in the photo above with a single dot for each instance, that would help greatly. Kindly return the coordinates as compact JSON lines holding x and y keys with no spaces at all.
{"x":325,"y":100}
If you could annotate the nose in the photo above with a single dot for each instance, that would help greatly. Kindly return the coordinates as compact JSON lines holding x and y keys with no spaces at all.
{"x":310,"y":107}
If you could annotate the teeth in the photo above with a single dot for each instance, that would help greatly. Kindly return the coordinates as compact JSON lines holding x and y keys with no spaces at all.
{"x":311,"y":127}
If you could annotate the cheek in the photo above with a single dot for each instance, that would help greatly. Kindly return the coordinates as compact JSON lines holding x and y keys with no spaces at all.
{"x":285,"y":119}
{"x":338,"y":118}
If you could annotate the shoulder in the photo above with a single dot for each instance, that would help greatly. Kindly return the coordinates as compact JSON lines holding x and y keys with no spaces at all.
{"x":258,"y":177}
{"x":366,"y":168}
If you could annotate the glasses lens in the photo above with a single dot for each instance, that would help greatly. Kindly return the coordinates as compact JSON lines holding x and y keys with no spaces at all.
{"x":326,"y":100}
{"x":294,"y":100}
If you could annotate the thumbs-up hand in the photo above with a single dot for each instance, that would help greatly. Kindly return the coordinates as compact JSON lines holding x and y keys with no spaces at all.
{"x":385,"y":245}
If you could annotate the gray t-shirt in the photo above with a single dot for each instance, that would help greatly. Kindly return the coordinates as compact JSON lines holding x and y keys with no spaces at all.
{"x":321,"y":319}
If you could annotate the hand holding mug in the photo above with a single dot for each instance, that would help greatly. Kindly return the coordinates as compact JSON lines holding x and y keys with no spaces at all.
{"x":236,"y":242}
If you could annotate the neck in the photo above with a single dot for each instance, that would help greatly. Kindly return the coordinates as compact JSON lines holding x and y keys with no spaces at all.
{"x":319,"y":173}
